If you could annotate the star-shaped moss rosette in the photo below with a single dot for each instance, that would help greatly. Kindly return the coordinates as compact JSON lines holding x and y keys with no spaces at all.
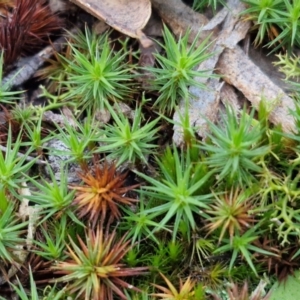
{"x":103,"y":190}
{"x":94,"y":269}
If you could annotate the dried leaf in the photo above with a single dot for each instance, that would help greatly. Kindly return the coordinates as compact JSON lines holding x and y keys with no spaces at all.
{"x":126,"y":16}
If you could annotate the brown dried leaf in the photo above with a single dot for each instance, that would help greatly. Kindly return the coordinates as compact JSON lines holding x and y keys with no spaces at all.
{"x":126,"y":16}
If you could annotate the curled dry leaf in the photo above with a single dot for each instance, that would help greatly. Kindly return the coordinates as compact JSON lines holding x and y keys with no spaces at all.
{"x":126,"y":16}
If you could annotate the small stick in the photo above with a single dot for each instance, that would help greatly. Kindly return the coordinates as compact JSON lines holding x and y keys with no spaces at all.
{"x":27,"y":157}
{"x":28,"y":66}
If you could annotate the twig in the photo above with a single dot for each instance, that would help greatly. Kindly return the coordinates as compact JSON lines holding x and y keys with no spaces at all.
{"x":27,"y":157}
{"x":28,"y":66}
{"x":31,"y":213}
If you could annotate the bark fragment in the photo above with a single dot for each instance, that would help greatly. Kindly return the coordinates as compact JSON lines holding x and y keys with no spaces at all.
{"x":240,"y":71}
{"x":231,"y":62}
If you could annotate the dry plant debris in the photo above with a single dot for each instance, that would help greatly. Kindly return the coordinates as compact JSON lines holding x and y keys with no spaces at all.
{"x":230,"y":60}
{"x":127,"y":16}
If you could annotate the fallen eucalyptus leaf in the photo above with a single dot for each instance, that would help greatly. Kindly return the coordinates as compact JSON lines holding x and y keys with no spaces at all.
{"x":126,"y":16}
